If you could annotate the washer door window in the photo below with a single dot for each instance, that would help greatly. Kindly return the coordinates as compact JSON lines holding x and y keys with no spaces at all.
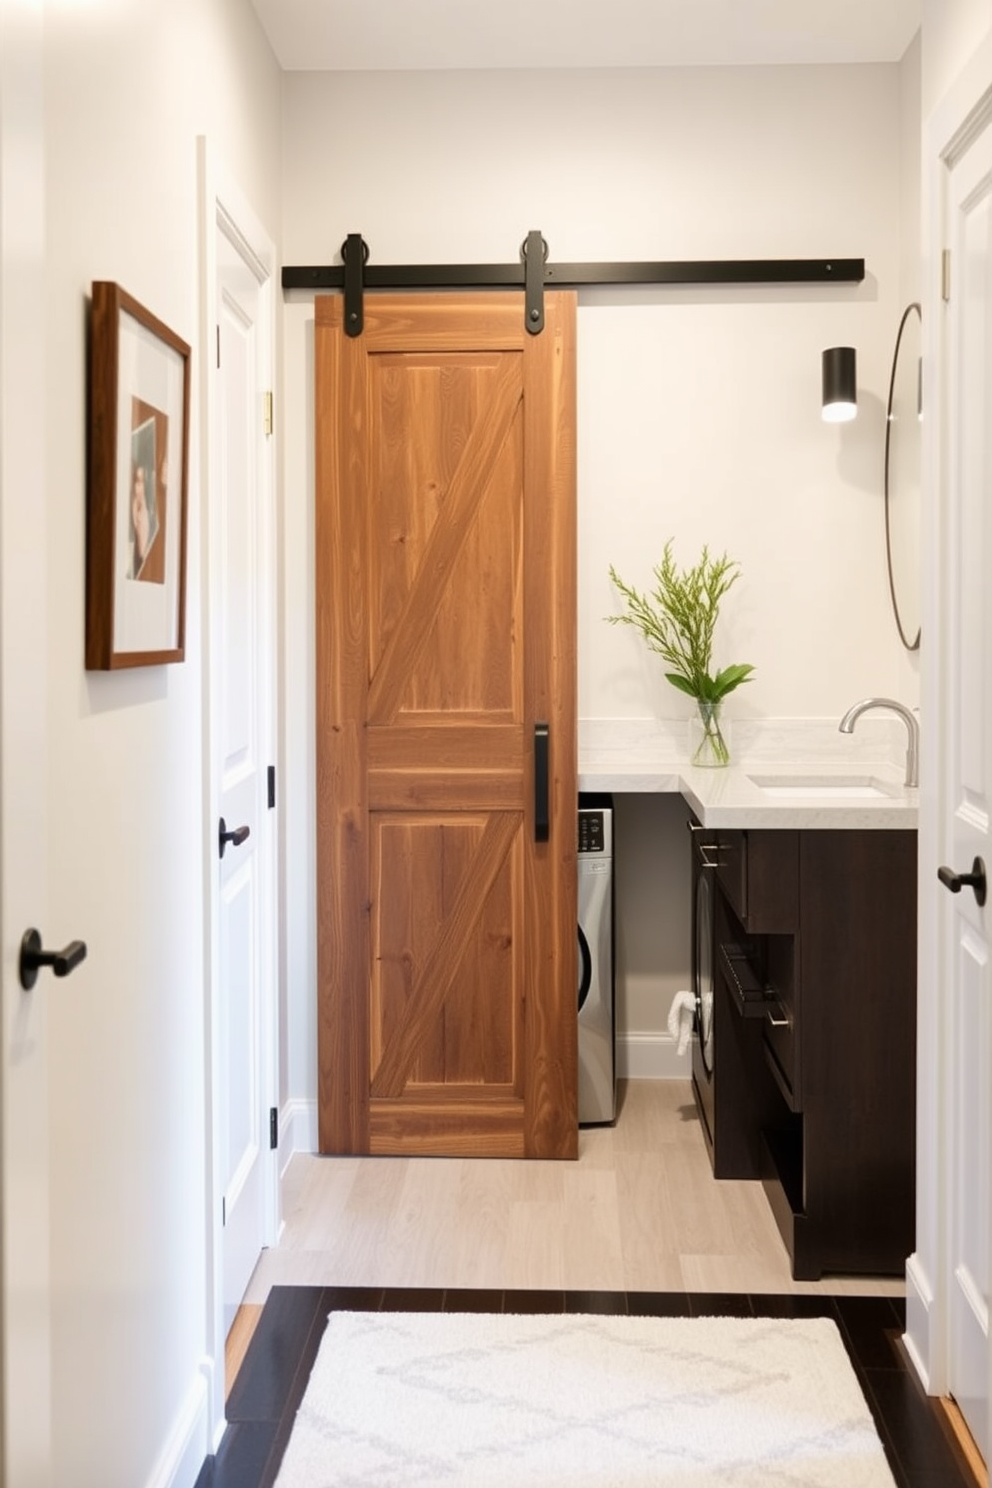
{"x":585,"y":969}
{"x":704,"y":969}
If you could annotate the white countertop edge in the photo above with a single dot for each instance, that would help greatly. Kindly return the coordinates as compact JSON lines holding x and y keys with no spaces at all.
{"x":728,"y":798}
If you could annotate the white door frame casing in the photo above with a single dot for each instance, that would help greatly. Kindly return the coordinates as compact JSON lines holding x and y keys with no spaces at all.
{"x":25,"y":1274}
{"x":225,"y":213}
{"x":965,"y":110}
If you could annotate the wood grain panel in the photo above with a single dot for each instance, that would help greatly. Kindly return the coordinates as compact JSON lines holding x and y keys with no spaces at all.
{"x":474,"y":742}
{"x":477,"y":1038}
{"x":414,"y":469}
{"x":436,"y":972}
{"x":426,"y":790}
{"x":421,"y":864}
{"x":458,"y":322}
{"x":406,"y":637}
{"x":471,"y":659}
{"x":443,"y":1129}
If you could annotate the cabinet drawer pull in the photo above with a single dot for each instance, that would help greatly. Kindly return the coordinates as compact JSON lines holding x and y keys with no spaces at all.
{"x":704,"y":848}
{"x":776,"y":1016}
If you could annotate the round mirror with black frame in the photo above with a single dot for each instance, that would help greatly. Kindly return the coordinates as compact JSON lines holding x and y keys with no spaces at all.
{"x":902,"y":476}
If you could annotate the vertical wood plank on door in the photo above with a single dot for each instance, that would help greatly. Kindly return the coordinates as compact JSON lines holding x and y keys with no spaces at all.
{"x":341,"y":709}
{"x":550,"y":570}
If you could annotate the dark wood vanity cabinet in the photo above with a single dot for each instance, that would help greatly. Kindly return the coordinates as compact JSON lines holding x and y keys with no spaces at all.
{"x":815,"y":1010}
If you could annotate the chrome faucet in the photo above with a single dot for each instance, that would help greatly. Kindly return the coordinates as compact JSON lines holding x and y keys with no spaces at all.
{"x":909,"y":719}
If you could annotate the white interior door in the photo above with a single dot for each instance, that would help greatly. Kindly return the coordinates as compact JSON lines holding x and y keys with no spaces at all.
{"x":242,"y":739}
{"x":25,"y":1391}
{"x":965,"y":666}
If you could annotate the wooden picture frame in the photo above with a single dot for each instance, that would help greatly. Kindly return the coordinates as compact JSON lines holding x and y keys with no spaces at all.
{"x":137,"y":496}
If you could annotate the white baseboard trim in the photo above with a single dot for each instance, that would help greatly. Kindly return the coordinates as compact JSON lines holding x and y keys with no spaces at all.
{"x":651,"y":1056}
{"x":208,"y":1368}
{"x":297,"y":1130}
{"x":182,"y":1457}
{"x":917,"y":1340}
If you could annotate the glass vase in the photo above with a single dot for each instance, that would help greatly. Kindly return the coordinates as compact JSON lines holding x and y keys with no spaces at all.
{"x":709,"y":736}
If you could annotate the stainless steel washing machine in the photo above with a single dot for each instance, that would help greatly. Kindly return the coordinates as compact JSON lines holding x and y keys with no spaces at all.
{"x":597,"y":1018}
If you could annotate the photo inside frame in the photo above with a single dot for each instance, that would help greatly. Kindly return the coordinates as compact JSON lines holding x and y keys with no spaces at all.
{"x":147,"y":493}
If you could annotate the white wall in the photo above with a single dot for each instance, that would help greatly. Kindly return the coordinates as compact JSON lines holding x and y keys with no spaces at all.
{"x":952,"y":29}
{"x":130,"y":84}
{"x":698,"y":408}
{"x":911,"y":291}
{"x":910,"y":171}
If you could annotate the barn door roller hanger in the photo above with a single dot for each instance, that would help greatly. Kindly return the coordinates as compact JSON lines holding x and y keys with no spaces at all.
{"x":533,"y":274}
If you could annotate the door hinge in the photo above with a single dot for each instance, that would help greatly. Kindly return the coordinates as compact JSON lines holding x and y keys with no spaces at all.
{"x":268,"y":413}
{"x":272,"y":786}
{"x":945,"y":274}
{"x":218,"y":345}
{"x":273,"y":1128}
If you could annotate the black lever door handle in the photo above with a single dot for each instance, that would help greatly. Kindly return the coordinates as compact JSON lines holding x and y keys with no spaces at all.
{"x":33,"y":958}
{"x":974,"y":880}
{"x":542,"y":814}
{"x":235,"y":836}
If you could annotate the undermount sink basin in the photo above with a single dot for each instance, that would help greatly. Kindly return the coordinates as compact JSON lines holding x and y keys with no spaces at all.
{"x":825,"y":787}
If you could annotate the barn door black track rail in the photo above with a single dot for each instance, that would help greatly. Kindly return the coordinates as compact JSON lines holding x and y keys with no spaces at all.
{"x":533,"y":274}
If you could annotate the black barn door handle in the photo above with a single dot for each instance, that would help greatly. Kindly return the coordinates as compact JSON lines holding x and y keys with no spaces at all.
{"x":542,"y":823}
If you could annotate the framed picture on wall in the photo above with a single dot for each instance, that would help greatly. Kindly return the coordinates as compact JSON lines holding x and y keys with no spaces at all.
{"x":137,"y":487}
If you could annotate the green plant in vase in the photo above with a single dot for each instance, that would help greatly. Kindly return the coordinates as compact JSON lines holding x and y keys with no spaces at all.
{"x":677,"y":620}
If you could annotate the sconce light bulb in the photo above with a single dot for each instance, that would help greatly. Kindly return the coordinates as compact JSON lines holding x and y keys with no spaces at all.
{"x":840,"y":385}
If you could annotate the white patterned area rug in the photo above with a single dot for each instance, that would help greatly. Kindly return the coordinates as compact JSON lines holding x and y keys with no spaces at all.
{"x":476,"y":1400}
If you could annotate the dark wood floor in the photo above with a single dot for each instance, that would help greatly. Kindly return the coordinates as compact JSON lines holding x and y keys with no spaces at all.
{"x":921,"y":1449}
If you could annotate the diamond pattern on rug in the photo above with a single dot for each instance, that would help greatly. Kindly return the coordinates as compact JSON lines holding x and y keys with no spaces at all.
{"x":459,"y":1400}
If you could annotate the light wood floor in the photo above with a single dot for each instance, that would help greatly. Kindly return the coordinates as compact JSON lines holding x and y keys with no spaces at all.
{"x":966,"y":1442}
{"x":639,"y":1211}
{"x":238,"y":1338}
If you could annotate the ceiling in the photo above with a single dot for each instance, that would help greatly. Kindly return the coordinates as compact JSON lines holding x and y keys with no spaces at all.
{"x":345,"y":35}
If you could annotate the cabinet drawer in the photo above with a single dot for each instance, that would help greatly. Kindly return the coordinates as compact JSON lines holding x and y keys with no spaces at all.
{"x":781,"y":1027}
{"x":758,"y":873}
{"x":731,"y":870}
{"x":780,"y":1053}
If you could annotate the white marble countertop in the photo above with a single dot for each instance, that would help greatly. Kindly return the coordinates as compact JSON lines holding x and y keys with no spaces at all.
{"x":784,"y":773}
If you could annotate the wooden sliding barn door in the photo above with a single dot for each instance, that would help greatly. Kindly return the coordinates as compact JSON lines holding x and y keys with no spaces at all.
{"x":446,"y":616}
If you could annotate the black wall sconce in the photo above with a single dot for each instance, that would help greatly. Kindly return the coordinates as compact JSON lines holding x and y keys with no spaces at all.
{"x":840,"y":385}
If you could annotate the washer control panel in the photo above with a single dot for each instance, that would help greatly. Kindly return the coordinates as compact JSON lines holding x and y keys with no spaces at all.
{"x":591,"y":837}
